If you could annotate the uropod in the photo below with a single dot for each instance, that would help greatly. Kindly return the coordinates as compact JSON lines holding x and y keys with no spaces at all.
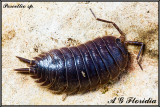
{"x":84,"y":67}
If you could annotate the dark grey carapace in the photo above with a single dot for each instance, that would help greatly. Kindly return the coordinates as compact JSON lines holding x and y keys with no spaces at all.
{"x":78,"y":69}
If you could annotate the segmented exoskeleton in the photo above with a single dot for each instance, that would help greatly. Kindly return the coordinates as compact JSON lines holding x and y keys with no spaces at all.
{"x":77,"y":69}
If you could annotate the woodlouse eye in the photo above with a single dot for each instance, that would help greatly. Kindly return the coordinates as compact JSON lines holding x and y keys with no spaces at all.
{"x":118,"y":40}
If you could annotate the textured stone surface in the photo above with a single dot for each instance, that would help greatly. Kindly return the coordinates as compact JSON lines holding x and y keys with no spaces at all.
{"x":28,"y":32}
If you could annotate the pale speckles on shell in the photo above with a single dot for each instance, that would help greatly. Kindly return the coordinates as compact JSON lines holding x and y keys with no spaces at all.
{"x":84,"y":75}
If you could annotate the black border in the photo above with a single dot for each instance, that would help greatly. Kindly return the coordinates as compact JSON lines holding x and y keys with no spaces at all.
{"x":84,"y":1}
{"x":79,"y":0}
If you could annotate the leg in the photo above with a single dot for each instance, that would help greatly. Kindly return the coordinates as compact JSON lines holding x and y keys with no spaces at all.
{"x":64,"y":96}
{"x":140,"y":51}
{"x":122,"y":37}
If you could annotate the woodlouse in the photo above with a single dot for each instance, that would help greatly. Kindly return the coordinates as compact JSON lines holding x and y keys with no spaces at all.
{"x":77,"y":69}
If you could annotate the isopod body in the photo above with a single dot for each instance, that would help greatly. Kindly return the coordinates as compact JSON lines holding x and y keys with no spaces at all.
{"x":81,"y":68}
